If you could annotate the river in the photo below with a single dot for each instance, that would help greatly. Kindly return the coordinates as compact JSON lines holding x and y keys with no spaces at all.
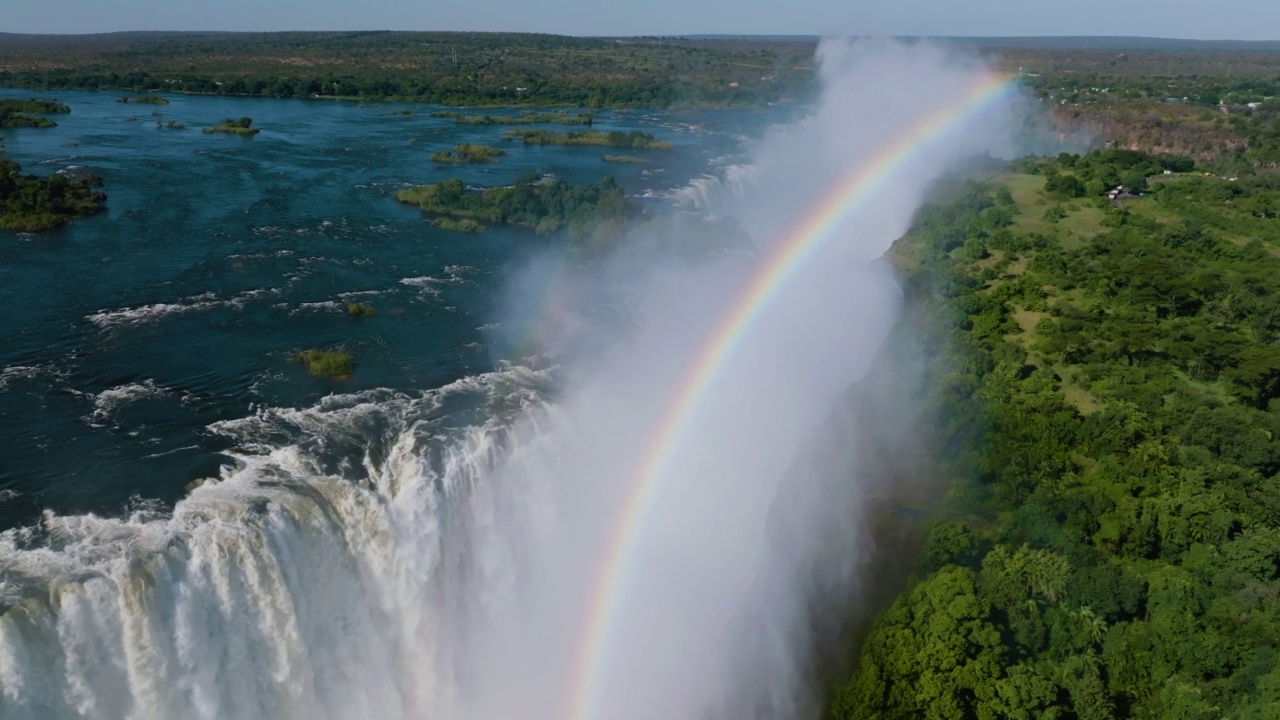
{"x":129,"y":333}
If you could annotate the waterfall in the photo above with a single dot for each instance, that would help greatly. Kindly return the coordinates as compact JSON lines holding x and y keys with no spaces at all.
{"x":305,"y":583}
{"x":720,"y":193}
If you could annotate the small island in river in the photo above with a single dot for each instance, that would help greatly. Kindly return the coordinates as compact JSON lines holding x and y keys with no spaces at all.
{"x":631,"y":159}
{"x":559,"y":117}
{"x":466,"y":153}
{"x":31,"y":204}
{"x":543,"y":205}
{"x":144,"y":100}
{"x":26,"y":113}
{"x":326,"y":364}
{"x":230,"y":126}
{"x":635,"y":139}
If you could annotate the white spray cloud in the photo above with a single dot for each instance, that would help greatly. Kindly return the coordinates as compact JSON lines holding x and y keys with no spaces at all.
{"x":708,"y":617}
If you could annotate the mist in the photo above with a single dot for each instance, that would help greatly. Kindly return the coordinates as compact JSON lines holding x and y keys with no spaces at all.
{"x":711,"y":616}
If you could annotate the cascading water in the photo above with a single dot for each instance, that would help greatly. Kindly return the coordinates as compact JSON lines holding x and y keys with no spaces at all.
{"x":721,"y":193}
{"x":301,"y":585}
{"x":400,"y":557}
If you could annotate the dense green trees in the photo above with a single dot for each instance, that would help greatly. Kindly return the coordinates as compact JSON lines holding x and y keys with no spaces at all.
{"x":31,"y":203}
{"x":26,"y":113}
{"x":476,"y":69}
{"x":1072,"y":176}
{"x":1108,"y":410}
{"x":544,"y":205}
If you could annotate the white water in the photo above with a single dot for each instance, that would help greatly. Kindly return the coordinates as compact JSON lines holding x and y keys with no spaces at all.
{"x":293,"y":588}
{"x":403,"y":557}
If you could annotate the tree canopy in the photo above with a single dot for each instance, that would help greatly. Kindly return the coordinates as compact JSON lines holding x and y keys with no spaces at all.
{"x":1108,"y":405}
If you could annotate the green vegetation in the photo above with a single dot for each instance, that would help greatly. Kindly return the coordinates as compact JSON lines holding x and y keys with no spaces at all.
{"x":332,"y":364}
{"x":623,"y":159}
{"x":1093,"y":175}
{"x":465,"y":153}
{"x":34,"y":105}
{"x":466,"y":225}
{"x":359,"y":310}
{"x":17,"y":120}
{"x":545,"y":206}
{"x":31,"y":204}
{"x":1108,"y":411}
{"x":230,"y":126}
{"x":24,"y":113}
{"x":634,"y":140}
{"x":144,"y":99}
{"x":452,"y":68}
{"x":559,"y":117}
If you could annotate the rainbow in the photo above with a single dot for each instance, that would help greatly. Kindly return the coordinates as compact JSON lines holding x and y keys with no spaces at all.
{"x":782,"y":264}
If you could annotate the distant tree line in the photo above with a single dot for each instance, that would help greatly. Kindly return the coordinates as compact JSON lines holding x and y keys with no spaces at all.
{"x":447,"y":68}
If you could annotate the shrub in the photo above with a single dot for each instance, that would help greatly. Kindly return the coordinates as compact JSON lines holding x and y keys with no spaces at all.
{"x":326,"y":363}
{"x":466,"y":225}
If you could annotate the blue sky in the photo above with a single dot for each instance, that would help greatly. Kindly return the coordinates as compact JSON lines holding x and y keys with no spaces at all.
{"x":1220,"y":19}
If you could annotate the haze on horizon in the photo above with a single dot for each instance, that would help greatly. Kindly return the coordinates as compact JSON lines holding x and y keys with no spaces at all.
{"x":1184,"y":19}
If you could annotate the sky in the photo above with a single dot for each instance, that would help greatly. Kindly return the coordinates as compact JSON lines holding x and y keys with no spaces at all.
{"x":1193,"y":19}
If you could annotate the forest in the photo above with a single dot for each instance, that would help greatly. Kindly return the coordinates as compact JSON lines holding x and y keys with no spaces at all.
{"x":477,"y":69}
{"x":1107,"y":416}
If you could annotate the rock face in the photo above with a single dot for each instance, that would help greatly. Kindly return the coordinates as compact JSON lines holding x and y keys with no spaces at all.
{"x":1176,"y":132}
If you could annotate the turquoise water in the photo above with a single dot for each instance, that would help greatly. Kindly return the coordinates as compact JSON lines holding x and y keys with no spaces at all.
{"x":128,"y":334}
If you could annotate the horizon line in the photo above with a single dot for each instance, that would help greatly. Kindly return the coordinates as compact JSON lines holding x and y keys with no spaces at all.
{"x":655,"y":36}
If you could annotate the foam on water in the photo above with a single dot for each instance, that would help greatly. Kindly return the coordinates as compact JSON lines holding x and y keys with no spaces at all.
{"x":193,"y":304}
{"x":108,"y":401}
{"x":13,"y":375}
{"x":712,"y":194}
